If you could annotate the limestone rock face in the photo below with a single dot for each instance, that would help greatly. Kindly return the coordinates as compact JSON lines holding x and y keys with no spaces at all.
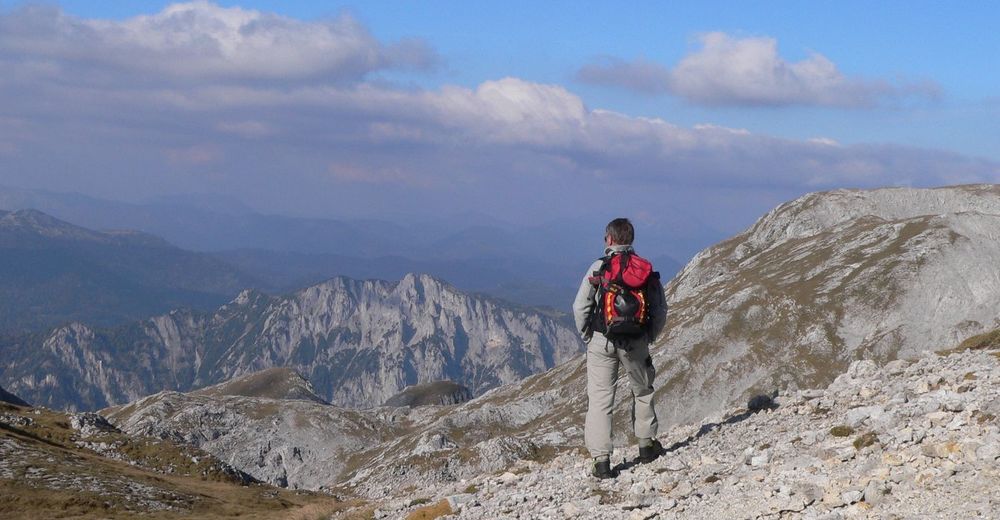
{"x":358,"y":342}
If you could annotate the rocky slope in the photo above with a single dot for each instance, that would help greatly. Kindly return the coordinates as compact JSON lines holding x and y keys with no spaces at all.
{"x":302,"y":443}
{"x":827,"y":279}
{"x":299,"y":442}
{"x":52,"y":272}
{"x":910,"y":439}
{"x":358,"y":342}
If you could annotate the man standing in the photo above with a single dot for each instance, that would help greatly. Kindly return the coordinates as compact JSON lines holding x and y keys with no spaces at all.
{"x":607,"y":348}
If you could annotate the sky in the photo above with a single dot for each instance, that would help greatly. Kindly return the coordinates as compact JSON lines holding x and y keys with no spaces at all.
{"x":521,"y":111}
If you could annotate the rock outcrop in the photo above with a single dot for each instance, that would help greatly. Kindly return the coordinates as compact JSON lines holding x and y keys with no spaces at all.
{"x":296,"y":443}
{"x":357,"y":342}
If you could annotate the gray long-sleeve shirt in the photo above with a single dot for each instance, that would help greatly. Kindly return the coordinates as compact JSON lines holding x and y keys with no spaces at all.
{"x":586,"y":296}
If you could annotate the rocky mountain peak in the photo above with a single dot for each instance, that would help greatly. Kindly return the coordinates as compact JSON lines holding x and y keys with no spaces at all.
{"x":816,"y":212}
{"x":359,"y":342}
{"x":249,"y":297}
{"x":26,"y":223}
{"x":32,"y":217}
{"x":31,"y":222}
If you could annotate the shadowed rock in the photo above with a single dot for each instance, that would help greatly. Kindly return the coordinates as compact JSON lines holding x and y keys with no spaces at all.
{"x":436,"y":393}
{"x":8,"y":397}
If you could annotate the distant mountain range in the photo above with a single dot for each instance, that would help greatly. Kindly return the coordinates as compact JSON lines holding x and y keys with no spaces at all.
{"x":474,"y":252}
{"x":358,"y":342}
{"x":52,"y":272}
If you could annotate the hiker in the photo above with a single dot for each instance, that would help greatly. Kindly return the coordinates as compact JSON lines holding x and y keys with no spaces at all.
{"x":619,"y":309}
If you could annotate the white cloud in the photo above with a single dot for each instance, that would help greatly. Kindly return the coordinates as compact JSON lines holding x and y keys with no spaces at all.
{"x":749,"y":71}
{"x":202,"y":41}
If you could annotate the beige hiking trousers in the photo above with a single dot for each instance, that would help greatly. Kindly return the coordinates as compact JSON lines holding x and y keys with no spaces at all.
{"x":603,"y":360}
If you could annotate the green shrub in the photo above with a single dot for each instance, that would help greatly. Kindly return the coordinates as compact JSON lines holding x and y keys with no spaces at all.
{"x":865,"y":440}
{"x":841,"y":431}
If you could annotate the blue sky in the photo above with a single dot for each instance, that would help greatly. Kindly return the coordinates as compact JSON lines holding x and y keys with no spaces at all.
{"x":726,"y":103}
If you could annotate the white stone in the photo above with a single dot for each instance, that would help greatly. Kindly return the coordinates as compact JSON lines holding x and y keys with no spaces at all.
{"x":851,"y":496}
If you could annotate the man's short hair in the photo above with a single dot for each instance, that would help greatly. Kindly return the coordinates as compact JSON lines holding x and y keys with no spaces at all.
{"x":621,"y":231}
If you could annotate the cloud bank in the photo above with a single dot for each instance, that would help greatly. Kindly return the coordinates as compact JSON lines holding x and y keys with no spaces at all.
{"x":292,"y":117}
{"x":749,"y":72}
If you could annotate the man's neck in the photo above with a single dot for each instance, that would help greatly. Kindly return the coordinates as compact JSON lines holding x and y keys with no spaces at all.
{"x":617,"y":248}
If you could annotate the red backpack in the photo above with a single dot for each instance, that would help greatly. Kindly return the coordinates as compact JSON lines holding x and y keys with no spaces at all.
{"x":622,"y":283}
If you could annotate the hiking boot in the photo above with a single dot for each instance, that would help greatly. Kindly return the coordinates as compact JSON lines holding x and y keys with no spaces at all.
{"x":602,"y":469}
{"x":650,"y":453}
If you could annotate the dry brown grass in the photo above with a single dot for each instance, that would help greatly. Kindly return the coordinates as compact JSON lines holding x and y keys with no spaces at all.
{"x":435,"y":510}
{"x":986,"y":341}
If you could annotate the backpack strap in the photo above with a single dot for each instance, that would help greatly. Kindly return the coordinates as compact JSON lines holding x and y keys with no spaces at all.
{"x":595,"y":277}
{"x":595,"y":280}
